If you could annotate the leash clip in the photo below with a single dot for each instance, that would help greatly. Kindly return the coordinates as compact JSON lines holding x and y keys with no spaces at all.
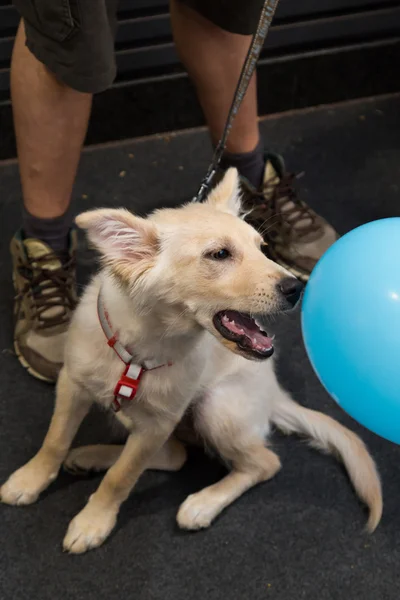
{"x":205,"y":186}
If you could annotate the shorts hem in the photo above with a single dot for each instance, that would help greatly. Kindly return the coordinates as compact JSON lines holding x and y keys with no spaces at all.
{"x":240,"y":20}
{"x":88,"y":85}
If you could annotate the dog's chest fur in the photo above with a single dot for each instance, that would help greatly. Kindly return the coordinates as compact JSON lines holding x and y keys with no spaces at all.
{"x":199,"y":363}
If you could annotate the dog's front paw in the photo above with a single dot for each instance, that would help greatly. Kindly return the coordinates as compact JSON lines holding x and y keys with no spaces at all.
{"x":24,"y":486}
{"x":89,"y":529}
{"x":198,"y":511}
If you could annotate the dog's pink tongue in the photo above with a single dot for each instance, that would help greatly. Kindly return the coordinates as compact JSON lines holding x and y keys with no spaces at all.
{"x":261,"y":342}
{"x":243,"y":325}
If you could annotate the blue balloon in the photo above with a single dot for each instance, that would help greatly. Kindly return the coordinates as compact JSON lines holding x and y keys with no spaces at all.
{"x":351,"y":325}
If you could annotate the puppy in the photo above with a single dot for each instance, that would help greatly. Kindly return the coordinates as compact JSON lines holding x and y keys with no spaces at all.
{"x":172,"y":320}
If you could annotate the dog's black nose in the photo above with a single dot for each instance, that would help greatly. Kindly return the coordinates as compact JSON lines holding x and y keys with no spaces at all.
{"x":291,"y":288}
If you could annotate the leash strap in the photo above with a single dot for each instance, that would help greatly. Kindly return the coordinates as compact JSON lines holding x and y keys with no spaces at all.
{"x":249,"y":66}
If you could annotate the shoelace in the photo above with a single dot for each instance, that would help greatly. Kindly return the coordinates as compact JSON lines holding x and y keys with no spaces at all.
{"x":278,"y":204}
{"x":50,"y":288}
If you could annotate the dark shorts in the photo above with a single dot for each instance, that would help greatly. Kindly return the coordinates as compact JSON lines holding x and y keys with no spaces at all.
{"x":75,"y":38}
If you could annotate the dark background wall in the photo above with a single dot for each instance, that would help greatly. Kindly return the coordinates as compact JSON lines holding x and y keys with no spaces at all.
{"x":317,"y":51}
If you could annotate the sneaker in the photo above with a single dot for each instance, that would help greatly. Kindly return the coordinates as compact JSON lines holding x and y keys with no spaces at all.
{"x":45,"y":287}
{"x":296,"y":236}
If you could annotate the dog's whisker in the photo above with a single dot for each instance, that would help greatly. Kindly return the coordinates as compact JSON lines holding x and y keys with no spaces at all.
{"x":270,"y":218}
{"x":263,"y":228}
{"x":265,"y":221}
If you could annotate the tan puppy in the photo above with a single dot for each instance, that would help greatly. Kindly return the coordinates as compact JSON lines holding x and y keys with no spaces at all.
{"x":178,"y":293}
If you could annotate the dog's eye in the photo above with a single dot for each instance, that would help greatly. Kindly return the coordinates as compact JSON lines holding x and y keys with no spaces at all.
{"x":222,"y":254}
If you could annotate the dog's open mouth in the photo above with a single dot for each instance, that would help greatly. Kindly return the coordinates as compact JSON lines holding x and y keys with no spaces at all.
{"x":245,"y":331}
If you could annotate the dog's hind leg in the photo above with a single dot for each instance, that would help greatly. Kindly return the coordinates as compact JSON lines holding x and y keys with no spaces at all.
{"x":86,"y":459}
{"x":233,"y":419}
{"x":72,"y":405}
{"x":251,"y":466}
{"x":92,"y":459}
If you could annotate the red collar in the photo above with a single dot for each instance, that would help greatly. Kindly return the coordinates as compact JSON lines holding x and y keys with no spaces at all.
{"x":128,"y":384}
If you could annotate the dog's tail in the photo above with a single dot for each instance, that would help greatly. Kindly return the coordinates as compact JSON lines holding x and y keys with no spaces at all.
{"x":328,"y":435}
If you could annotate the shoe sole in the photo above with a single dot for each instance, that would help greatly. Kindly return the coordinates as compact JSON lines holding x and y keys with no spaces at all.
{"x":28,"y":367}
{"x":304,"y":276}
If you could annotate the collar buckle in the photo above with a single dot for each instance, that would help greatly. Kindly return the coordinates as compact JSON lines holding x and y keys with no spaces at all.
{"x":128,"y":385}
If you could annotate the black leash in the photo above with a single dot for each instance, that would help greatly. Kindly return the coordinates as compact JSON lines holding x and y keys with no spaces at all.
{"x":250,"y":63}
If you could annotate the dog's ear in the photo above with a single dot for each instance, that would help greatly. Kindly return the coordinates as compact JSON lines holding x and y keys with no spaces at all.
{"x":119,"y":235}
{"x":226,"y":195}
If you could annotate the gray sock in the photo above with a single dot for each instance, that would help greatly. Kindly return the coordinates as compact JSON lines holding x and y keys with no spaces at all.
{"x":250,"y":165}
{"x":54,"y":232}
